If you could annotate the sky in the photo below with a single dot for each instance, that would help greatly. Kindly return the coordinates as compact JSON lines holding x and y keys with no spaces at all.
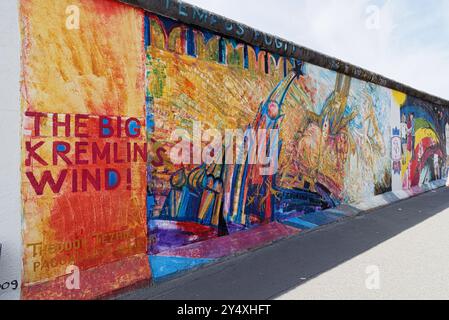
{"x":405,"y":40}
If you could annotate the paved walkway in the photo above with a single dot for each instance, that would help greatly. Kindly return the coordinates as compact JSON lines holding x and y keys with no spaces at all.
{"x":413,"y":265}
{"x":401,"y":250}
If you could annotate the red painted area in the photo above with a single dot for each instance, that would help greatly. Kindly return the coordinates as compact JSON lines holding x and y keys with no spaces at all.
{"x":236,"y":243}
{"x":94,"y":283}
{"x":108,"y":8}
{"x":418,"y":164}
{"x":97,"y":220}
{"x":166,"y":235}
{"x":195,"y":228}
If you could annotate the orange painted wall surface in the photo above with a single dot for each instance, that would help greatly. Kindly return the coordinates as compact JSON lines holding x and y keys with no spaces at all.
{"x":92,"y":76}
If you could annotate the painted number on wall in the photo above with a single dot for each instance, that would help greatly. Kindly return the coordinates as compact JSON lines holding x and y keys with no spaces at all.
{"x":73,"y":17}
{"x":12,"y":285}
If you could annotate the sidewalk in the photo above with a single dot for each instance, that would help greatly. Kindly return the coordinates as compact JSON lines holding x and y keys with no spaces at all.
{"x":411,"y":266}
{"x":270,"y":272}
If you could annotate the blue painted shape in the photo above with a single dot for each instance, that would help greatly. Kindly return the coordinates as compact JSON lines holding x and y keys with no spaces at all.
{"x":133,"y":128}
{"x":191,"y":47}
{"x":256,"y":50}
{"x":163,"y":267}
{"x":112,"y":179}
{"x":61,"y":148}
{"x":300,"y":224}
{"x":106,"y":131}
{"x":147,"y":31}
{"x":267,"y":64}
{"x":222,"y":51}
{"x":169,"y":24}
{"x":207,"y":36}
{"x":319,"y":218}
{"x":245,"y":57}
{"x":420,"y":113}
{"x":234,"y":43}
{"x":151,"y":203}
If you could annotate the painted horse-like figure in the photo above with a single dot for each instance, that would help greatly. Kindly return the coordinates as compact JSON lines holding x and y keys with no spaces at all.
{"x":236,"y":196}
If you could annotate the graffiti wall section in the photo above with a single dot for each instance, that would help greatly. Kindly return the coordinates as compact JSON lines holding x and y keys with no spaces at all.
{"x":10,"y":219}
{"x":151,"y":144}
{"x":340,"y":140}
{"x":83,"y":149}
{"x":424,"y":130}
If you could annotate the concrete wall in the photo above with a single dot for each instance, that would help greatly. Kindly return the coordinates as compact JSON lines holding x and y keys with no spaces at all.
{"x":343,"y":141}
{"x":10,"y":210}
{"x":113,"y":97}
{"x":83,"y":142}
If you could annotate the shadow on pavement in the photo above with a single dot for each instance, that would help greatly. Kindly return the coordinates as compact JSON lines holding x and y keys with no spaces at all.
{"x":274,"y":270}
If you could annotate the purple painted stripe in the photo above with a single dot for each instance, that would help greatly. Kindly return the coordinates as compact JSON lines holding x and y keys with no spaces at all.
{"x":235,"y":243}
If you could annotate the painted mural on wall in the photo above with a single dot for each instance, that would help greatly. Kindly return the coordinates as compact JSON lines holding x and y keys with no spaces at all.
{"x":334,"y":140}
{"x":83,"y":148}
{"x":103,"y":107}
{"x":424,"y":130}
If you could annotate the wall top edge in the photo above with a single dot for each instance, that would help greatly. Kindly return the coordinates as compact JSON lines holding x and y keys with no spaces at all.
{"x":198,"y":17}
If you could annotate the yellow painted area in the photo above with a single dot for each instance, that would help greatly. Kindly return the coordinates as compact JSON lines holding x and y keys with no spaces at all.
{"x":399,"y":97}
{"x":421,"y":134}
{"x":97,"y":69}
{"x":405,"y":165}
{"x":187,"y":89}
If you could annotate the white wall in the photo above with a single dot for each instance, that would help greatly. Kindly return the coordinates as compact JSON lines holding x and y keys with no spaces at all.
{"x":395,"y":122}
{"x":10,"y":203}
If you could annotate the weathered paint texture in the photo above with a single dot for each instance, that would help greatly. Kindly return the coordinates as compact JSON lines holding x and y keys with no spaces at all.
{"x":99,"y":105}
{"x":10,"y":220}
{"x":83,"y":111}
{"x":335,"y":137}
